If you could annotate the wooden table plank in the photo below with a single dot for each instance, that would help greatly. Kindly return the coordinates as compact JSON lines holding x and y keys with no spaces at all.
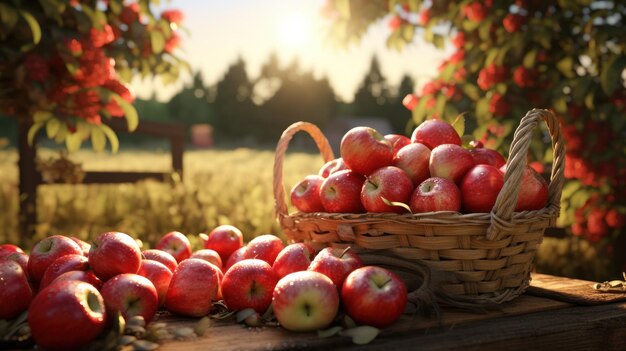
{"x":570,"y":290}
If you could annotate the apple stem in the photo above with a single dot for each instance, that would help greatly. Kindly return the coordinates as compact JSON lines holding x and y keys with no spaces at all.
{"x":384,"y":283}
{"x":344,"y":251}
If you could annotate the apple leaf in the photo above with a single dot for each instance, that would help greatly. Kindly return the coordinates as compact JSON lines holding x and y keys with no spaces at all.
{"x":243,"y":314}
{"x":459,"y":124}
{"x":332,"y":331}
{"x":32,"y":132}
{"x":98,"y":139}
{"x":42,"y":116}
{"x":73,"y":142}
{"x":611,"y":75}
{"x":396,"y":204}
{"x":110,"y":134}
{"x":33,"y":24}
{"x":132,"y":119}
{"x":52,"y":127}
{"x":361,"y":335}
{"x":348,"y":322}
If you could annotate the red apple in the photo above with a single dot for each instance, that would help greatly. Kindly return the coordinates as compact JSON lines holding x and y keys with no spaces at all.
{"x":305,"y":301}
{"x":293,"y":258}
{"x":7,"y":249}
{"x":335,"y":263}
{"x":15,"y":292}
{"x":193,"y":287}
{"x":235,"y":257}
{"x":374,"y":296}
{"x":480,"y":188}
{"x":249,"y":284}
{"x":19,"y":257}
{"x":131,"y":295}
{"x":365,"y":150}
{"x":66,"y":315}
{"x":161,"y":256}
{"x":533,"y":190}
{"x":436,"y":194}
{"x":397,"y":141}
{"x":484,"y":156}
{"x":414,"y":159}
{"x":225,"y":239}
{"x":175,"y":243}
{"x":159,"y":275}
{"x":83,"y":276}
{"x":46,"y":251}
{"x":74,"y":262}
{"x":331,"y":167}
{"x":435,"y":132}
{"x":387,"y":184}
{"x":450,"y":161}
{"x":305,"y":195}
{"x":264,"y":247}
{"x":341,"y":192}
{"x":114,"y":253}
{"x":83,"y":245}
{"x":208,"y":255}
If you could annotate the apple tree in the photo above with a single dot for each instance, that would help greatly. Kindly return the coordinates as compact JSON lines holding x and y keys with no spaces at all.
{"x":509,"y":56}
{"x":64,"y":64}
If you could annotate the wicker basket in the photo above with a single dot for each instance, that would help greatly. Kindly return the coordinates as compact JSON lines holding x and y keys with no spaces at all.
{"x":482,"y":257}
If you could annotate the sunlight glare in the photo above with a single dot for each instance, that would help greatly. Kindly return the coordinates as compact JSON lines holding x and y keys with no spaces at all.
{"x":295,"y":30}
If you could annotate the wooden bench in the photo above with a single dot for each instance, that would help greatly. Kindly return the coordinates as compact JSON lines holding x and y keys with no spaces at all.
{"x":554,"y":314}
{"x":30,"y":178}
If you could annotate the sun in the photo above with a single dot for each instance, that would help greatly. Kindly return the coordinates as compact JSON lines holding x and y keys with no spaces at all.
{"x":295,"y":30}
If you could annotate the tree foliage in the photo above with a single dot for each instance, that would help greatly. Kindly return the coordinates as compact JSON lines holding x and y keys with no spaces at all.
{"x":63,"y":64}
{"x":511,"y":56}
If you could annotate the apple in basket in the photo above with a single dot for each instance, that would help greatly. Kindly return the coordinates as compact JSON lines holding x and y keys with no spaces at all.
{"x":374,"y":296}
{"x":386,"y":185}
{"x":450,"y":161}
{"x":225,"y":239}
{"x":341,"y":192}
{"x":435,"y":194}
{"x":397,"y":141}
{"x":480,"y":188}
{"x":305,"y":301}
{"x":114,"y":253}
{"x":487,"y":156}
{"x":66,"y":315}
{"x":175,"y":243}
{"x":331,"y":167}
{"x":305,"y":195}
{"x":131,"y":295}
{"x":435,"y":132}
{"x":414,"y":159}
{"x":365,"y":150}
{"x":336,"y":263}
{"x":533,"y":190}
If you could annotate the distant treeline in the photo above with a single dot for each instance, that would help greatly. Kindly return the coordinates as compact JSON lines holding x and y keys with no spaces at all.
{"x":238,"y":106}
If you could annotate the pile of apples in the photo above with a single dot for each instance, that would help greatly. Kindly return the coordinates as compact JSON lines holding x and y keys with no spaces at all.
{"x":431,"y":171}
{"x":70,"y":289}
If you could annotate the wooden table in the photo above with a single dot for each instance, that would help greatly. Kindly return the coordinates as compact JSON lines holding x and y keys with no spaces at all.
{"x":555,"y":314}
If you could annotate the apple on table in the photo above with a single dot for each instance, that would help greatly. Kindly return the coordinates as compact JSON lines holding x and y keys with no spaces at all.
{"x":114,"y":253}
{"x":336,"y":263}
{"x":249,"y":284}
{"x":225,"y":239}
{"x":175,"y":243}
{"x":193,"y":288}
{"x":46,"y":251}
{"x":130,"y":295}
{"x":15,"y":291}
{"x":293,"y":258}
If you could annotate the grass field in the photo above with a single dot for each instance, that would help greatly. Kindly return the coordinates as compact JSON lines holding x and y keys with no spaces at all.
{"x":219,"y":187}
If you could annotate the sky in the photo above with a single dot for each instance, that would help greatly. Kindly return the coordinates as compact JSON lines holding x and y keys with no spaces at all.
{"x":222,"y":31}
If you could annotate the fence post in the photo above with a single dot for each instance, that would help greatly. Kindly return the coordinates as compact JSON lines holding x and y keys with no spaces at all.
{"x":28,"y":183}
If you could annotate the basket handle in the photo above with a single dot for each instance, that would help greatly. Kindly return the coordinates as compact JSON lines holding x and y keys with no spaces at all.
{"x":280,"y":205}
{"x":507,"y":198}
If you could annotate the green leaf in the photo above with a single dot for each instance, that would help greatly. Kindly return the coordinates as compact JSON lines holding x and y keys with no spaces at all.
{"x":361,"y":335}
{"x":157,"y":41}
{"x":419,"y":112}
{"x":52,"y":127}
{"x":482,"y":107}
{"x":407,"y":32}
{"x":395,"y":204}
{"x":132,"y":119}
{"x":529,"y":58}
{"x":98,"y":139}
{"x":8,"y":18}
{"x":33,"y":24}
{"x":32,"y":132}
{"x":459,"y":124}
{"x":492,"y":54}
{"x":566,"y":67}
{"x":42,"y":116}
{"x":332,"y":331}
{"x":110,"y":134}
{"x":440,"y":104}
{"x":438,"y":41}
{"x":611,"y":75}
{"x":589,"y":100}
{"x":471,"y":91}
{"x":73,"y":142}
{"x":343,"y":6}
{"x":560,"y":105}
